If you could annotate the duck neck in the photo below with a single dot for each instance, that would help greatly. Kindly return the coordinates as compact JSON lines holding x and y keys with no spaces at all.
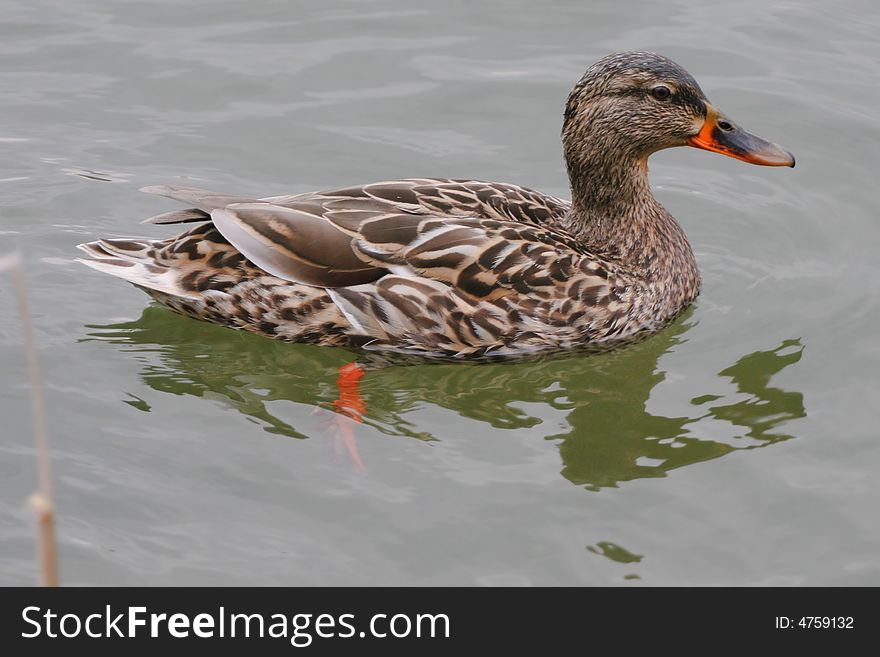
{"x":615,"y":214}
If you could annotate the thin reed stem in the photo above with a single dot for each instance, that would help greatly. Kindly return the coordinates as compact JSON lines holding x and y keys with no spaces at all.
{"x":41,"y":501}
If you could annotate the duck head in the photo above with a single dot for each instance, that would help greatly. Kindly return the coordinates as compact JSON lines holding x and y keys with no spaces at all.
{"x":629,"y":105}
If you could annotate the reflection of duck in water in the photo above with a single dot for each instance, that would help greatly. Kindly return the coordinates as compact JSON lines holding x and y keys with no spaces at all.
{"x":454,"y":267}
{"x":611,"y":435}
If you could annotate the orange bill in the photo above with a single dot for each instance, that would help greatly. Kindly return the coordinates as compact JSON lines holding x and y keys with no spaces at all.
{"x":722,"y":136}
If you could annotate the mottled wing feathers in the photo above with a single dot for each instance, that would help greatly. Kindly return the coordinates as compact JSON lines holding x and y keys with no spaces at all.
{"x":486,"y":239}
{"x":483,"y":258}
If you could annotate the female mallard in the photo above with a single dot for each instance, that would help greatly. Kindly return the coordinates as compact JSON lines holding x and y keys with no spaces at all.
{"x":459,"y":267}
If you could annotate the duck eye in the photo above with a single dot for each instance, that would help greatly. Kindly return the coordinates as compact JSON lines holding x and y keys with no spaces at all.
{"x":661,"y":92}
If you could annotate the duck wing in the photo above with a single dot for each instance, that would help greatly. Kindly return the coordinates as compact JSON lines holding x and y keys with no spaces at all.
{"x":434,"y":227}
{"x":336,"y":245}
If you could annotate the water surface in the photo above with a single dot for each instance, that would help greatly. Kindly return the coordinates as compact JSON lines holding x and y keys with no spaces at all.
{"x":739,"y":446}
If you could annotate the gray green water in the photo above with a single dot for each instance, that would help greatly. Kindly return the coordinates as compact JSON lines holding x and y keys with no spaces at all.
{"x":740,"y":446}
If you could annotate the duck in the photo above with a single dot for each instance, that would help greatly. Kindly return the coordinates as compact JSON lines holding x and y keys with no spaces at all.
{"x":458,"y":268}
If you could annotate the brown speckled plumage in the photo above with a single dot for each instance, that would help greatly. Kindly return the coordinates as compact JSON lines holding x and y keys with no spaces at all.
{"x":449,"y":268}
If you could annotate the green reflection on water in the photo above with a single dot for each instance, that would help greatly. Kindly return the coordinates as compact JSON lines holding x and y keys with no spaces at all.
{"x":614,"y":552}
{"x":611,"y":435}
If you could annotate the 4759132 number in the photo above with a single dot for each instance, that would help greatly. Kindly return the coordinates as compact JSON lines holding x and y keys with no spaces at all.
{"x":815,"y":622}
